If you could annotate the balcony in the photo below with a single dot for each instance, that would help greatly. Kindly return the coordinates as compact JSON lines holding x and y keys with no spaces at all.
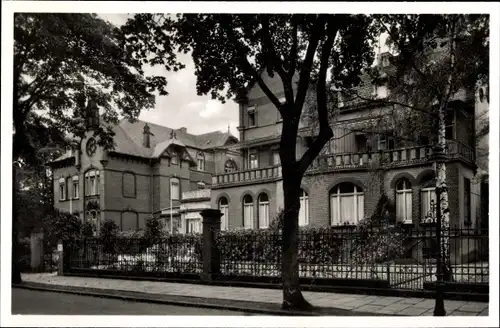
{"x":248,"y":176}
{"x":349,"y":161}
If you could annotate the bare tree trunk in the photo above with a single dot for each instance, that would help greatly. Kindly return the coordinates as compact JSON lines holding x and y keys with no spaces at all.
{"x":441,"y":167}
{"x":292,"y":295}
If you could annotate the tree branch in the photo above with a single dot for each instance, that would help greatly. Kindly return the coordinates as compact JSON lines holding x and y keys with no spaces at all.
{"x":248,"y":67}
{"x":325,"y":131}
{"x":292,"y":57}
{"x":275,"y":63}
{"x":305,"y":72}
{"x":414,"y":66}
{"x":391,"y":102}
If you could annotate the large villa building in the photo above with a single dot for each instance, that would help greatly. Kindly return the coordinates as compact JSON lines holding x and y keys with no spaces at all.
{"x":155,"y":170}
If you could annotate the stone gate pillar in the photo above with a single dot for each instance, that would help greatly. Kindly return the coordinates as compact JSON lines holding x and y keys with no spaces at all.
{"x":211,"y":256}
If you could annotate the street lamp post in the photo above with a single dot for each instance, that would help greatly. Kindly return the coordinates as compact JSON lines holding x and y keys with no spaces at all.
{"x":439,"y":310}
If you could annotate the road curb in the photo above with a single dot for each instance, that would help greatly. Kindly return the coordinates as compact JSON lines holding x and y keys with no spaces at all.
{"x":190,"y":301}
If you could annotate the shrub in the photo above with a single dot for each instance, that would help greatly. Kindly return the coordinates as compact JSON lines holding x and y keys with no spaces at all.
{"x":60,"y":225}
{"x":87,"y":229}
{"x":108,"y":234}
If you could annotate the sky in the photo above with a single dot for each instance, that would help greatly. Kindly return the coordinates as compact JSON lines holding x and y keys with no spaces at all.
{"x":182,"y":107}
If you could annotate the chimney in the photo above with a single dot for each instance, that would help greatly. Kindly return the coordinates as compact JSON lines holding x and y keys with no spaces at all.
{"x":146,"y":136}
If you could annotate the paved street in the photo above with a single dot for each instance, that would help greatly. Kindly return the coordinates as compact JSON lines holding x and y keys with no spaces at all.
{"x":36,"y":302}
{"x":360,"y":303}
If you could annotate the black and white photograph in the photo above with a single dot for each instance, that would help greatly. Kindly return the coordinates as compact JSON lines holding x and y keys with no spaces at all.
{"x":266,"y":160}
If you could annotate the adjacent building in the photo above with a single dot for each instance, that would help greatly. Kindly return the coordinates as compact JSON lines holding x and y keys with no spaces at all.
{"x":151,"y":171}
{"x":362,"y":161}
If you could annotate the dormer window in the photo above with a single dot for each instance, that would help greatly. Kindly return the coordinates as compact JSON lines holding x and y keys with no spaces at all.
{"x":174,"y":158}
{"x":251,"y":116}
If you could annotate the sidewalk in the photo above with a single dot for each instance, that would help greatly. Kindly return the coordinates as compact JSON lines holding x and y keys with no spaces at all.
{"x":341,"y":304}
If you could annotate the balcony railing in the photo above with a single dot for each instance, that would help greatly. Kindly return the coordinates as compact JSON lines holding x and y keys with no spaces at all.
{"x":393,"y":157}
{"x":259,"y":174}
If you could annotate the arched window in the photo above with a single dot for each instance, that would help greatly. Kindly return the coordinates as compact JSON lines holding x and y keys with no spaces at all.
{"x":428,"y":199}
{"x":224,"y":208}
{"x":128,"y":185}
{"x":230,"y":166}
{"x":304,"y":208}
{"x":200,"y":160}
{"x":92,"y":183}
{"x":346,"y":204}
{"x":62,"y":189}
{"x":404,"y":201}
{"x":248,"y":212}
{"x":175,"y":188}
{"x":263,"y":211}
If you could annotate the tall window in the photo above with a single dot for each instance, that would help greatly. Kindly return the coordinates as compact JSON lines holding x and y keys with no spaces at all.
{"x":62,"y":189}
{"x":254,"y":161}
{"x":193,"y":226}
{"x":224,"y":208}
{"x":304,"y":208}
{"x":230,"y":166}
{"x":76,"y":187}
{"x":175,"y":157}
{"x":174,"y":188}
{"x":276,"y":158}
{"x":200,"y":160}
{"x":128,"y":185}
{"x":385,"y":142}
{"x":428,"y":198}
{"x":251,"y":116}
{"x":263,"y":211}
{"x":346,"y":204}
{"x":92,"y":183}
{"x":248,"y":212}
{"x":403,"y":201}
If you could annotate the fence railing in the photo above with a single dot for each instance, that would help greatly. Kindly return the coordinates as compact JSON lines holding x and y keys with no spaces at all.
{"x":174,"y":254}
{"x":393,"y":256}
{"x":405,"y":259}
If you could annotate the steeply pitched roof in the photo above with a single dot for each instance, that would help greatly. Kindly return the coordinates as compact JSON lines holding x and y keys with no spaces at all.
{"x":129,"y":136}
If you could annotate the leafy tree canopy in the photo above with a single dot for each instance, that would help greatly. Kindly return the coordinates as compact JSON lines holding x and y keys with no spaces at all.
{"x":60,"y":62}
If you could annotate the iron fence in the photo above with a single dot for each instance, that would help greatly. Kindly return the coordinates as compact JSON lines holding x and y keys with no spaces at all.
{"x":402,"y":257}
{"x":396,"y":257}
{"x":181,"y":254}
